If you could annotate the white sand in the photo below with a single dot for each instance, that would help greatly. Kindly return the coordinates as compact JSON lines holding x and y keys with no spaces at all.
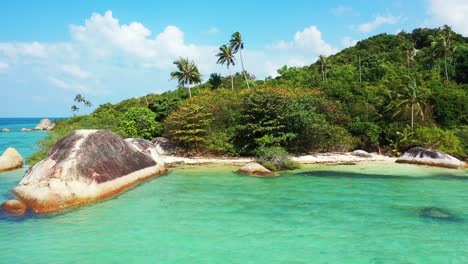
{"x":326,"y":158}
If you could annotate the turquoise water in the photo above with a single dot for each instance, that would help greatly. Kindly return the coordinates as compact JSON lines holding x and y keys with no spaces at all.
{"x":319,"y":214}
{"x":24,"y":142}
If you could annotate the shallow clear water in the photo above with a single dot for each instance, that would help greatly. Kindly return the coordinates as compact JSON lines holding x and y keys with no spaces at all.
{"x":24,"y":142}
{"x":319,"y":214}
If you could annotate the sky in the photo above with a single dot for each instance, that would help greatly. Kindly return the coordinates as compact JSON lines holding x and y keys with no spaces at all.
{"x":113,"y":50}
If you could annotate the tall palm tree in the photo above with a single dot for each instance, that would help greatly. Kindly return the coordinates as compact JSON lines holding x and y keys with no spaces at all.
{"x":74,"y":109}
{"x":323,"y":62}
{"x":187,"y":73}
{"x":409,"y":52}
{"x":88,"y":103}
{"x":226,"y":56}
{"x":442,"y":44}
{"x":79,"y":98}
{"x":406,"y":99}
{"x":237,"y":45}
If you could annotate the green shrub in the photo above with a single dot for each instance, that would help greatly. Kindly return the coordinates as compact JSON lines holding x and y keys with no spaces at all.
{"x":439,"y":139}
{"x":139,"y":122}
{"x":275,"y":159}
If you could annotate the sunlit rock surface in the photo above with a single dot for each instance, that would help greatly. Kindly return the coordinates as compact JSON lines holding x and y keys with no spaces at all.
{"x":10,"y":160}
{"x":253,"y":168}
{"x":85,"y":166}
{"x":429,"y":157}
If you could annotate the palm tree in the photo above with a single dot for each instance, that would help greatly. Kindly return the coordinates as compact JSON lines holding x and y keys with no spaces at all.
{"x":323,"y":62}
{"x":187,"y":73}
{"x":79,"y":98}
{"x":409,"y":51}
{"x":237,"y":45}
{"x":442,"y":44}
{"x":225,"y":56}
{"x":408,"y":99}
{"x":74,"y":109}
{"x":88,"y":103}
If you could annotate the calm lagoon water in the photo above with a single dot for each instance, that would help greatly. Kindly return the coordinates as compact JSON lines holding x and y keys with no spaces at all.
{"x":367,"y":213}
{"x":320,"y":214}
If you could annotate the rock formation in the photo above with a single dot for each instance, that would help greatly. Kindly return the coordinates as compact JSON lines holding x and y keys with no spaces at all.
{"x":429,"y":157}
{"x":147,"y":147}
{"x":45,"y":124}
{"x":10,"y":160}
{"x":361,"y":153}
{"x":26,"y":130}
{"x":5,"y":130}
{"x":253,"y":168}
{"x":83,"y":167}
{"x":14,"y":207}
{"x":164,"y":146}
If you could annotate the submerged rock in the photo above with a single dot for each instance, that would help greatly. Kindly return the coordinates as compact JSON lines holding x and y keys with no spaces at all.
{"x":164,"y":146}
{"x":429,"y":157}
{"x":26,"y":130}
{"x":253,"y":168}
{"x":5,"y":130}
{"x":361,"y":153}
{"x":14,"y":207}
{"x":437,"y":213}
{"x":84,"y":167}
{"x":10,"y":160}
{"x":45,"y":124}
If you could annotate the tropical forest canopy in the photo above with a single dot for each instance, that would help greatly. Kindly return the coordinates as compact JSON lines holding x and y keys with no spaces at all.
{"x":387,"y":93}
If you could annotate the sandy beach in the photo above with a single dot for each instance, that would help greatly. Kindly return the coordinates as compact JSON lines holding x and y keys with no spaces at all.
{"x":317,"y":158}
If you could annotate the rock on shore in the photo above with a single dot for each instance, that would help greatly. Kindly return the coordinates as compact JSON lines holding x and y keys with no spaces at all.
{"x":164,"y":146}
{"x":253,"y":168}
{"x":430,"y":157}
{"x":14,"y":207}
{"x":84,"y":167}
{"x":45,"y":124}
{"x":10,"y":160}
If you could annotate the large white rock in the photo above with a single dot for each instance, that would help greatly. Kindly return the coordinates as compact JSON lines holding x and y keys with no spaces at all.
{"x":10,"y":160}
{"x":45,"y":124}
{"x":429,"y":157}
{"x":147,"y":147}
{"x":361,"y":153}
{"x":83,"y":167}
{"x":253,"y":168}
{"x":5,"y":130}
{"x":164,"y":146}
{"x":26,"y":130}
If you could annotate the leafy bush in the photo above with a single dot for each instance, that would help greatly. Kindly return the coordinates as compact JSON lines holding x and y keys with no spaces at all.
{"x":139,"y":122}
{"x":275,"y":159}
{"x":439,"y":139}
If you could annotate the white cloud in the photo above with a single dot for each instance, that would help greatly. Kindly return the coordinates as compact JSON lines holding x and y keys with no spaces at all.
{"x":377,"y":22}
{"x":310,"y":40}
{"x":348,"y":42}
{"x":212,"y":31}
{"x":68,"y":86}
{"x":4,"y":66}
{"x":451,"y":12}
{"x":340,"y":10}
{"x":76,"y":71}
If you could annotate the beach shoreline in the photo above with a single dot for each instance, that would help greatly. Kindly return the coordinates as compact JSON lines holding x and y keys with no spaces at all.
{"x":343,"y":158}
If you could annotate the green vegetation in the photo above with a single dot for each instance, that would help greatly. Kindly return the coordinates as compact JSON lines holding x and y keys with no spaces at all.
{"x":275,"y":159}
{"x":387,"y":93}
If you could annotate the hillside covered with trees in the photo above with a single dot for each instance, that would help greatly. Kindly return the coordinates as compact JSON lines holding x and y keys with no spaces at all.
{"x":387,"y":93}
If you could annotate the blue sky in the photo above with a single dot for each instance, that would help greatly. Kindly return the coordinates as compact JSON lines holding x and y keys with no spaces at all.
{"x":113,"y":50}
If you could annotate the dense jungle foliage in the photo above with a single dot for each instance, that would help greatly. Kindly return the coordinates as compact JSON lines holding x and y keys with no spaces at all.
{"x":387,"y":93}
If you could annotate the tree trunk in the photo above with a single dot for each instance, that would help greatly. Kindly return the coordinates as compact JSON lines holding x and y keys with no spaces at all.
{"x":232,"y":79}
{"x":445,"y":64}
{"x":360,"y":74}
{"x":412,"y":116}
{"x":243,"y":70}
{"x":323,"y":74}
{"x":189,"y":92}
